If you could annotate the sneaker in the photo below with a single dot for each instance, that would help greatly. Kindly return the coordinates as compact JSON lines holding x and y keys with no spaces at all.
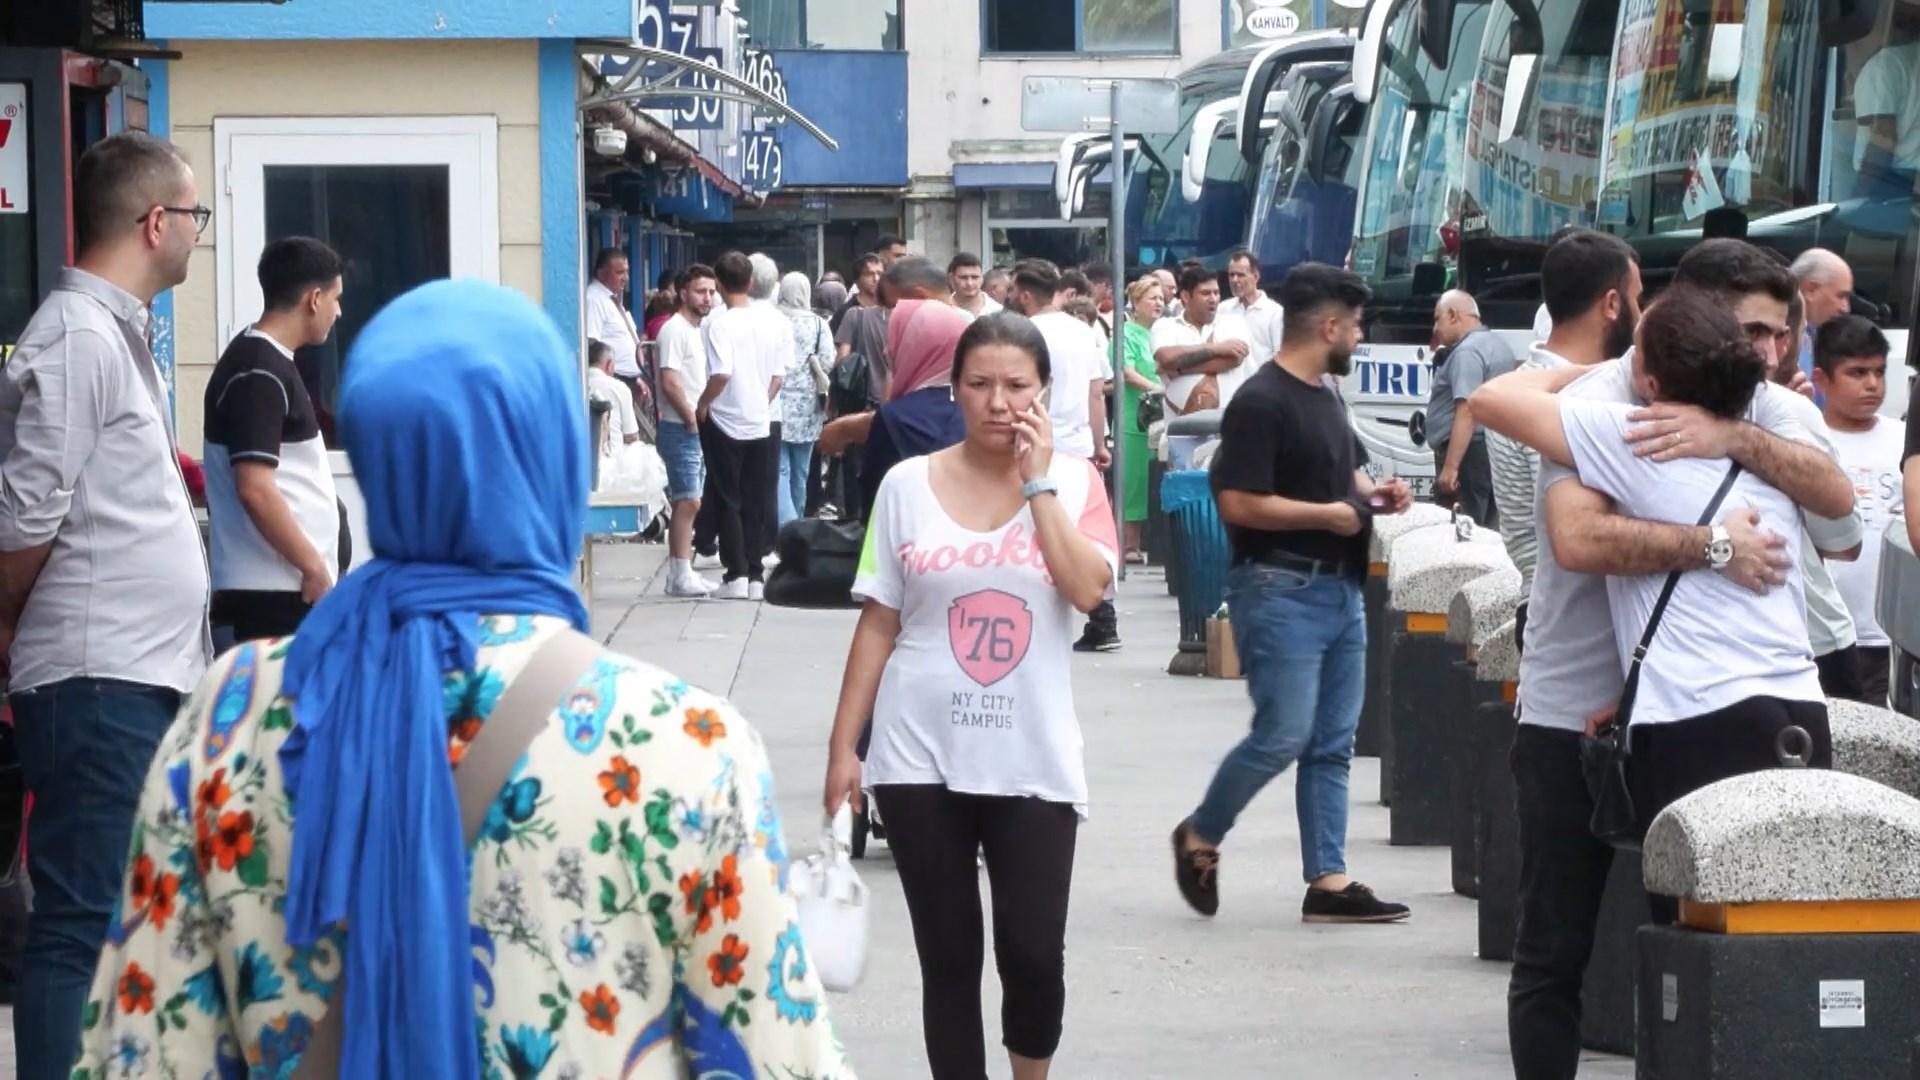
{"x":1098,"y":639}
{"x":737,"y":589}
{"x":1353,"y":904}
{"x":756,"y":590}
{"x":706,"y":562}
{"x":689,"y":584}
{"x":1196,"y":872}
{"x":770,"y":562}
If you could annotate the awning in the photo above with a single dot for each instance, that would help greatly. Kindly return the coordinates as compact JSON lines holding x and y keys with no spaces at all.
{"x":1014,"y":174}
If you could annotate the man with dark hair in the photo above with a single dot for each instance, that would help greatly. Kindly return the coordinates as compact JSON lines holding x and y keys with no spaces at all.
{"x":914,"y":277}
{"x":1073,"y":285}
{"x":607,"y":318}
{"x":964,"y":277}
{"x":683,"y":377}
{"x":103,"y":582}
{"x":1569,"y":670}
{"x":996,"y":284}
{"x":273,"y":514}
{"x":1298,"y":505}
{"x":669,"y":282}
{"x":1200,"y":361}
{"x":890,"y":249}
{"x":747,"y":357}
{"x":1100,"y":288}
{"x":1257,"y":315}
{"x":862,"y":327}
{"x":1850,"y":357}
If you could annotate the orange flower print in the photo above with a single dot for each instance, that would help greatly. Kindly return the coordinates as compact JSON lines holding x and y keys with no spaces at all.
{"x":730,"y":962}
{"x":232,"y":839}
{"x":620,"y":783}
{"x":602,"y":1008}
{"x":203,"y":844}
{"x":214,"y":791}
{"x":705,"y":725}
{"x":164,"y":891}
{"x":140,"y":889}
{"x":700,"y":900}
{"x":726,"y":889}
{"x":136,"y":990}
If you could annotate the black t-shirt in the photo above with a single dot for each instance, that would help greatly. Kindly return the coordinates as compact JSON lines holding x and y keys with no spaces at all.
{"x":1913,"y":429}
{"x":1281,"y":436}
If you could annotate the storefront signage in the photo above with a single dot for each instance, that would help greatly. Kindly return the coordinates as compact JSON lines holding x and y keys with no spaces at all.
{"x":13,"y":148}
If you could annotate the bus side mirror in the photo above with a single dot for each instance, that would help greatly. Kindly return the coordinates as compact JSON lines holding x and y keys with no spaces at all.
{"x":1429,"y":279}
{"x":1843,"y":22}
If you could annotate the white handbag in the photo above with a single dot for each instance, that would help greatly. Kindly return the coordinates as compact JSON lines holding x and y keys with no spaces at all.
{"x":833,"y":906}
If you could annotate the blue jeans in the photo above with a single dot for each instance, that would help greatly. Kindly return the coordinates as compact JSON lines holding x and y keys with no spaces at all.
{"x":1303,"y":645}
{"x":795,"y":459}
{"x":85,"y":745}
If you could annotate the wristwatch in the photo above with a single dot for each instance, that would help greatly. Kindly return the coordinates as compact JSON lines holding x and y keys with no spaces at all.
{"x":1041,"y":486}
{"x":1719,"y":548}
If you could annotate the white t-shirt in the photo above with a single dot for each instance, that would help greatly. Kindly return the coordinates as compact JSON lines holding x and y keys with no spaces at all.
{"x":1570,"y":669}
{"x":1263,"y":320}
{"x":607,"y":388}
{"x":1889,"y":85}
{"x":1872,"y":461}
{"x":1829,"y":626}
{"x":1178,"y":333}
{"x":978,"y":693}
{"x":608,"y":322}
{"x":1717,"y":644}
{"x":1074,"y":351}
{"x":988,"y":306}
{"x":682,"y":352}
{"x":1542,"y":324}
{"x":750,"y":345}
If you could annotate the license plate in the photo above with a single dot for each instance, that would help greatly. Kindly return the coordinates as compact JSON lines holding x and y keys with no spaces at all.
{"x":1422,"y":486}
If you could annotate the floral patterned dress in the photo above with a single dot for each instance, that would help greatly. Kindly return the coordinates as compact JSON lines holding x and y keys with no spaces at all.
{"x":627,"y":901}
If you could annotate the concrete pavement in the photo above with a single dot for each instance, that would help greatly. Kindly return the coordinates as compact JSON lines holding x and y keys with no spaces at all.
{"x":1153,"y":990}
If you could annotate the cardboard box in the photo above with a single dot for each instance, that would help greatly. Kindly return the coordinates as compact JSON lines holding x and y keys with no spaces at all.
{"x":1223,"y":660}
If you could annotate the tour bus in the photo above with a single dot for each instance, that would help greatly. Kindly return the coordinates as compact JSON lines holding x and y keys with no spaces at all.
{"x":1662,"y":121}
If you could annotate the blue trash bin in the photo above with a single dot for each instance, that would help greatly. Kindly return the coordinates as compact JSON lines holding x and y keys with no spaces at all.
{"x":1200,"y":548}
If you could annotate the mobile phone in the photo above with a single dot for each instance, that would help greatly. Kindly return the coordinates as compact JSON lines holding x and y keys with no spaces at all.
{"x":1046,"y":397}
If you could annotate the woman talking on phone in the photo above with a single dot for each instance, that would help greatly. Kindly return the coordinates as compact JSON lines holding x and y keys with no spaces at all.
{"x":977,"y":558}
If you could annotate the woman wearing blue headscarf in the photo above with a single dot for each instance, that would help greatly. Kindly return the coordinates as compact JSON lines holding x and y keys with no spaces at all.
{"x":621,"y":911}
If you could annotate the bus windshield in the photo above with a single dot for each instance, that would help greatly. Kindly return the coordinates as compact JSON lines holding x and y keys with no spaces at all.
{"x":1162,"y":226}
{"x":1742,"y":122}
{"x":1308,"y":188}
{"x":1414,"y":174}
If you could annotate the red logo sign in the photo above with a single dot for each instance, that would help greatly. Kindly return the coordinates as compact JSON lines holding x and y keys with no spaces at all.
{"x":989,"y":632}
{"x":6,"y":129}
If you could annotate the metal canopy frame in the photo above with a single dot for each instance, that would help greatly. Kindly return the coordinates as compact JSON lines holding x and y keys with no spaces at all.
{"x":653,"y":74}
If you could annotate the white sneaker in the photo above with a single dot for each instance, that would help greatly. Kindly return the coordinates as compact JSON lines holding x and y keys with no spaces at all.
{"x":689,"y":584}
{"x":770,"y":562}
{"x":756,"y":590}
{"x":737,"y":589}
{"x":706,"y":562}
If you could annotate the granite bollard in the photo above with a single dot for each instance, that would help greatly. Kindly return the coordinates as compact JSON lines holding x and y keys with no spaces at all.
{"x":1876,"y":743}
{"x":1386,"y":530}
{"x":1474,"y":618}
{"x":1496,"y":674}
{"x":1426,"y":691}
{"x":1798,"y":949}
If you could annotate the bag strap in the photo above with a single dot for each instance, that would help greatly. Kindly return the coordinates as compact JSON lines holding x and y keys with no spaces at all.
{"x":522,"y":713}
{"x":1631,"y":688}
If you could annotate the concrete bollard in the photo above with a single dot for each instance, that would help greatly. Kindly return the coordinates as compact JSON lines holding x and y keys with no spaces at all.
{"x":1798,"y":949}
{"x":1496,"y":675}
{"x":1878,"y":744}
{"x":1474,"y":617}
{"x":1426,"y":693}
{"x":1386,"y":530}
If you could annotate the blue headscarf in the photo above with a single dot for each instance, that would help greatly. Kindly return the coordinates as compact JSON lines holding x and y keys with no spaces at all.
{"x":464,"y":418}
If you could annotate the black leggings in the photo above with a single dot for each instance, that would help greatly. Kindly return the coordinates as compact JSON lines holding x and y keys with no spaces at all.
{"x":934,"y":833}
{"x":1675,"y":759}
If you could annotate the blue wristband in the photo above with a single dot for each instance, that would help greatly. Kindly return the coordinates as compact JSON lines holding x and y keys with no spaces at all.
{"x":1038,"y":487}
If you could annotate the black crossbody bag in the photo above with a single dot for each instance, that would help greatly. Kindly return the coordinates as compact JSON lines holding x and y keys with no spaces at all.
{"x":1605,"y":753}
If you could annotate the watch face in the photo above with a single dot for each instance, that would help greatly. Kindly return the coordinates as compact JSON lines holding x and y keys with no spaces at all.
{"x":1721,"y":552}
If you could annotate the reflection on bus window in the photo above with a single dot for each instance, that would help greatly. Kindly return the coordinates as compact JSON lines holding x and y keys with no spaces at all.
{"x":1873,"y":162}
{"x":1162,"y":226}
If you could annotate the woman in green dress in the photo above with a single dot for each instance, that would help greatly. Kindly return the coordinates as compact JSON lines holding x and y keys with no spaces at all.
{"x":1146,"y":299}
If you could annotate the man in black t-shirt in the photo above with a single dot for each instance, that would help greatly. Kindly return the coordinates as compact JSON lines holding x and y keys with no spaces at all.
{"x":271,"y":506}
{"x":1298,"y":511}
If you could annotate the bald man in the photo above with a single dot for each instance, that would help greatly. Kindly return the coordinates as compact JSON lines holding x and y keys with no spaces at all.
{"x":1468,"y":355}
{"x":1826,"y":291}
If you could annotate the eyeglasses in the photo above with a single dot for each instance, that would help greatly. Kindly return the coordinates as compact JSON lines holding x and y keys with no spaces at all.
{"x":200,"y":214}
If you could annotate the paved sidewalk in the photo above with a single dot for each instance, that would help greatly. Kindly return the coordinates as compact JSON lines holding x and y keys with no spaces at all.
{"x":1153,"y":990}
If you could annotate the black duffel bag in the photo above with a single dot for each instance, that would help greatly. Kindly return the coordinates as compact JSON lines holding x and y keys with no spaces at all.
{"x":818,"y":560}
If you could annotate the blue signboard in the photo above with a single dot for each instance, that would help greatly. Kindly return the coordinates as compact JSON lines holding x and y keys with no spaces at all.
{"x":860,"y":99}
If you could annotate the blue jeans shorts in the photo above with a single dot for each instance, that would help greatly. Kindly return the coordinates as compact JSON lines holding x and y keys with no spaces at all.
{"x":686,"y":465}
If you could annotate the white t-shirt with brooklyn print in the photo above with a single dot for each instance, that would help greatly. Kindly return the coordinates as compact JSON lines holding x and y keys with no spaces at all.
{"x":977,"y":694}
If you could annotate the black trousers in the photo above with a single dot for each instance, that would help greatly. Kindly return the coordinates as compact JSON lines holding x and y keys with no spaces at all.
{"x":1671,"y":760}
{"x":256,"y":614}
{"x":765,"y":489}
{"x":1840,"y":674}
{"x":1475,"y":497}
{"x":934,"y":833}
{"x":1563,"y":875}
{"x":733,"y":468}
{"x":1876,"y":672}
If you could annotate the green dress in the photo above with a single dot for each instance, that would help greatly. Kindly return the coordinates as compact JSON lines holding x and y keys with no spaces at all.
{"x":1140,"y":359}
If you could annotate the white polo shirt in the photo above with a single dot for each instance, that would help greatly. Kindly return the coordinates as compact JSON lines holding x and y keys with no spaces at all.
{"x":1264,"y":320}
{"x":609,"y":323}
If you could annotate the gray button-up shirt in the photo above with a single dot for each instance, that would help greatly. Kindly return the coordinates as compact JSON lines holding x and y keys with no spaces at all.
{"x":87,"y":463}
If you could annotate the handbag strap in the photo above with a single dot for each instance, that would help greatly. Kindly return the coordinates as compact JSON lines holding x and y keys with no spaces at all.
{"x":1632,"y":686}
{"x":522,"y":713}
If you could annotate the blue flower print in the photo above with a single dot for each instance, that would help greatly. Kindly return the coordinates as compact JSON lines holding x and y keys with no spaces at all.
{"x":205,"y":991}
{"x":583,"y":943}
{"x":318,"y":967}
{"x":514,"y":807}
{"x":498,"y":630}
{"x":281,"y":1042}
{"x":258,"y":981}
{"x":789,"y":962}
{"x":525,"y":1050}
{"x":131,"y":1055}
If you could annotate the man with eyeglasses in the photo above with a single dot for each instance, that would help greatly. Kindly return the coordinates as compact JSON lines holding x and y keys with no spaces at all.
{"x":103,"y":581}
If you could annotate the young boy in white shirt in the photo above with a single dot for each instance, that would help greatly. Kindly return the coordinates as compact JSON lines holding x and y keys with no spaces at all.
{"x":1850,"y":371}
